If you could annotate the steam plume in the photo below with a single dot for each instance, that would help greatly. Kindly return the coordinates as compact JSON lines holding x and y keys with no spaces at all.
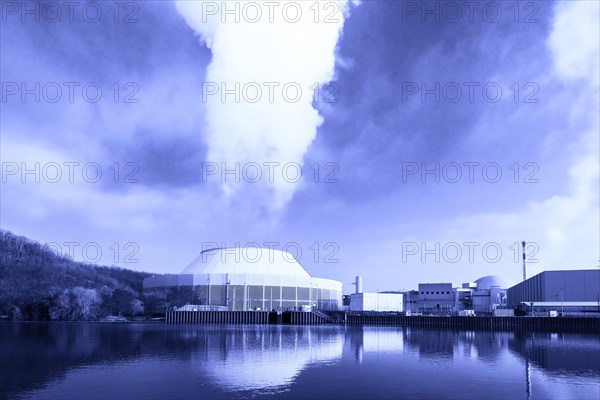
{"x":251,"y":52}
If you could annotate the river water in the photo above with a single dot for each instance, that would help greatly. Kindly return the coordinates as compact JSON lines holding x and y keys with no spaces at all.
{"x":156,"y":361}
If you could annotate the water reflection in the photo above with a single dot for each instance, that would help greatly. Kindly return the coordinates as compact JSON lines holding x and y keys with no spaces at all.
{"x":559,"y":353}
{"x":56,"y":360}
{"x":374,"y":339}
{"x":263,"y":358}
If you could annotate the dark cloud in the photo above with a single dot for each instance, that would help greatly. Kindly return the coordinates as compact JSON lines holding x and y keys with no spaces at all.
{"x":375,"y":128}
{"x":161,"y":161}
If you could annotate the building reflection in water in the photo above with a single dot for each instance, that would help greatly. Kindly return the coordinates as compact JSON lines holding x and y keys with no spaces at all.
{"x":263,"y":359}
{"x":374,"y":339}
{"x":270,"y":358}
{"x":558,"y":352}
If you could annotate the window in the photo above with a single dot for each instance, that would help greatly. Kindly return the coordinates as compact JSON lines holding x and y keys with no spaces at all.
{"x":437,"y":292}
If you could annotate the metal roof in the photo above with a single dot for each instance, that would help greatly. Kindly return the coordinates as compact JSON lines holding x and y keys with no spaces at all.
{"x":248,"y":261}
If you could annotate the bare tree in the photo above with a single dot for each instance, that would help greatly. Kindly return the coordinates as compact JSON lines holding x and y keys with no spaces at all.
{"x":137,"y":307}
{"x":86,"y":303}
{"x":78,"y":303}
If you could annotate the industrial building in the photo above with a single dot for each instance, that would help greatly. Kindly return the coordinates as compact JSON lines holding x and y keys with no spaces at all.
{"x":410,"y":301}
{"x":378,"y":302}
{"x":435,"y":298}
{"x":488,"y":294}
{"x":574,"y":291}
{"x":381,"y":302}
{"x":464,"y":296}
{"x":483,"y":296}
{"x":243,"y":279}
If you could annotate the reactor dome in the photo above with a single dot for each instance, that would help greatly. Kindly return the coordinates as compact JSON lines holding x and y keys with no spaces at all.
{"x":246,"y":278}
{"x":490,"y":281}
{"x":246,"y":260}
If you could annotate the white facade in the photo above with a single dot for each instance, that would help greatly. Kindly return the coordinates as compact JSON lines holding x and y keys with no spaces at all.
{"x":377,"y":302}
{"x":250,"y":279}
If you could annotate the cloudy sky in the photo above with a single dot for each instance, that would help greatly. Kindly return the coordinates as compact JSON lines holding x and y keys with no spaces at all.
{"x":403,"y":142}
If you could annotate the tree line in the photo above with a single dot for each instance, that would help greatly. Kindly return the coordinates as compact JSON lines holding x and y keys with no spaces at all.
{"x":36,"y":283}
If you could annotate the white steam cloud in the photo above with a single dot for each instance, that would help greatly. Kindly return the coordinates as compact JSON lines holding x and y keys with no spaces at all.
{"x":269,"y":54}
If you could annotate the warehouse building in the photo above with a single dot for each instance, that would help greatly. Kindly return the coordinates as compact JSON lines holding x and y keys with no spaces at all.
{"x":574,"y":291}
{"x":243,"y":279}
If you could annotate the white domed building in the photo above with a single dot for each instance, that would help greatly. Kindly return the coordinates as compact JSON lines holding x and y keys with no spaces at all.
{"x":493,"y":281}
{"x":490,"y":293}
{"x":250,"y":278}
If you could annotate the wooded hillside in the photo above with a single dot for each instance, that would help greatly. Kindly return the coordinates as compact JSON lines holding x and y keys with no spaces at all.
{"x":38,"y":284}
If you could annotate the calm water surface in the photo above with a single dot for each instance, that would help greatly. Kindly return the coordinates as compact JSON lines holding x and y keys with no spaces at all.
{"x":154,"y":361}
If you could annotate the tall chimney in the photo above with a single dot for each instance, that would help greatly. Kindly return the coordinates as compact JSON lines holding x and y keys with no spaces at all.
{"x":358,"y":284}
{"x":524,"y":263}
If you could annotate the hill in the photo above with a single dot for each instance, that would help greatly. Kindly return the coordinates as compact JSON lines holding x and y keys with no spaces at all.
{"x":38,"y":284}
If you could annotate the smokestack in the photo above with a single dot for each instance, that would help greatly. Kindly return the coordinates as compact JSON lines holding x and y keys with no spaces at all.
{"x":524,"y":263}
{"x":358,"y":284}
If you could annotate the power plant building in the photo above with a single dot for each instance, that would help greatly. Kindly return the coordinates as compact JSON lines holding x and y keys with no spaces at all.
{"x":377,"y":302}
{"x":574,"y":290}
{"x":483,"y":296}
{"x":435,"y":298}
{"x":248,"y":278}
{"x":488,"y":294}
{"x":380,"y":302}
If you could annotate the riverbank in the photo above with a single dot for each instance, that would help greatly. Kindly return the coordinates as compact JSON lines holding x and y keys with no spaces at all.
{"x":554,"y":324}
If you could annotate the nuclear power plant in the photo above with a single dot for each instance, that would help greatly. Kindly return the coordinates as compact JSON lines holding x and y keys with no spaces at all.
{"x":248,"y":279}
